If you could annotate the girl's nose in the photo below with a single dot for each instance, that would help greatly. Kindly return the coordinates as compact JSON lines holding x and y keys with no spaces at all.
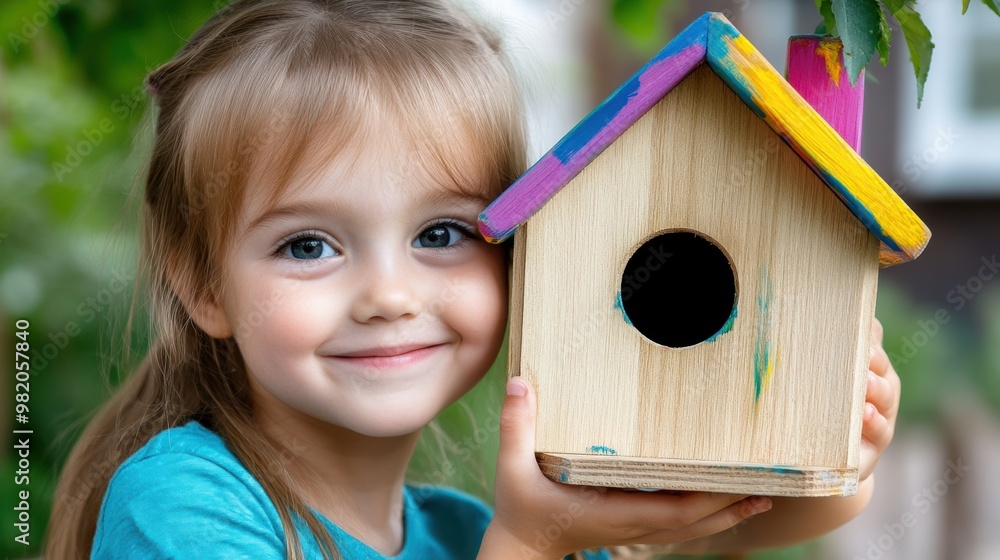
{"x":388,"y":292}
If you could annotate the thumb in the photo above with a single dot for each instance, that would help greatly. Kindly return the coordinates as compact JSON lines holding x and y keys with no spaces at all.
{"x":516,"y":457}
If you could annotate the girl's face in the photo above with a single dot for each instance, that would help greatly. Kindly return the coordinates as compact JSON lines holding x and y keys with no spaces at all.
{"x":364,"y":298}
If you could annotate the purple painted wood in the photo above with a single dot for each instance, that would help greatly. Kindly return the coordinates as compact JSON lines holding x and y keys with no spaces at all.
{"x":817,"y":72}
{"x":809,"y":110}
{"x":595,"y":132}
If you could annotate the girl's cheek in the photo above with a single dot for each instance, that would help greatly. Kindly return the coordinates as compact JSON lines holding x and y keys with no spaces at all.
{"x":481,"y":305}
{"x":285,"y":311}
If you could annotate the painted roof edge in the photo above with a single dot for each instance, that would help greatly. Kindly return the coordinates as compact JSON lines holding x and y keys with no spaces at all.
{"x":595,"y":132}
{"x":900,"y":231}
{"x":737,"y":62}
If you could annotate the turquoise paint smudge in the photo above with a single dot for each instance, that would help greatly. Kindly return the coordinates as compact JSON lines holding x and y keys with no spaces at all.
{"x":720,"y":61}
{"x":862,"y":212}
{"x":728,"y":326}
{"x":763,"y":364}
{"x":621,"y":307}
{"x":602,"y":449}
{"x":778,"y":469}
{"x":562,"y":477}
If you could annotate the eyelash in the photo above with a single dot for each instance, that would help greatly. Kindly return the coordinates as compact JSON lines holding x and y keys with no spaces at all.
{"x":467,"y":232}
{"x":468,"y":235}
{"x":279,"y":251}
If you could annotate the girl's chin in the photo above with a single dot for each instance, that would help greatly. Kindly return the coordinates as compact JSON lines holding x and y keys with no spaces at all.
{"x":392,"y":423}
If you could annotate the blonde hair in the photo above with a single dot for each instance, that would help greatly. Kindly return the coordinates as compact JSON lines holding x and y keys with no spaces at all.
{"x":290,"y":76}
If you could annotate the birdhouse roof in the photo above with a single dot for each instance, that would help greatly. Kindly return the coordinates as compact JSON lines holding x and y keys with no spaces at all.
{"x":712,"y":39}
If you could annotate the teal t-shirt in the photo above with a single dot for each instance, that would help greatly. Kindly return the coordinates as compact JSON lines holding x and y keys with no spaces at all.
{"x":185,"y":495}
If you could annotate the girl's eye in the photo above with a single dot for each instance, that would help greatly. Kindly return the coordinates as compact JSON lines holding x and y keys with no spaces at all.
{"x":441,"y":235}
{"x":308,"y":248}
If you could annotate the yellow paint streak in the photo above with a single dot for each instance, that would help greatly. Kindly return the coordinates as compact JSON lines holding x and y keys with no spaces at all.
{"x":766,"y":381}
{"x":790,"y":115}
{"x":830,"y":51}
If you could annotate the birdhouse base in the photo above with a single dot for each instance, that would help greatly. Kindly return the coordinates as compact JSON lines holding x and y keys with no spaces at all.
{"x":666,"y":474}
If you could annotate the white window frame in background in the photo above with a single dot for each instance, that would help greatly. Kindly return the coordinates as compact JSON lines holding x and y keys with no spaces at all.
{"x":945,"y":149}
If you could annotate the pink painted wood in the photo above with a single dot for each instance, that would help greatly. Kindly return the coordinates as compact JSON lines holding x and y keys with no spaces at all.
{"x":817,"y":72}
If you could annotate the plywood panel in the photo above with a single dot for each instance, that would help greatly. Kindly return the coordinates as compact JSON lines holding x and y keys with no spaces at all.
{"x":785,"y":385}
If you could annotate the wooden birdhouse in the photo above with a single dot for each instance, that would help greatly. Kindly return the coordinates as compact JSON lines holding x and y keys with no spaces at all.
{"x":695,"y":268}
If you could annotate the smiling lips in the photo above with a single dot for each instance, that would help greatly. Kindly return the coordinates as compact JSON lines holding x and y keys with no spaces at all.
{"x":389,"y":356}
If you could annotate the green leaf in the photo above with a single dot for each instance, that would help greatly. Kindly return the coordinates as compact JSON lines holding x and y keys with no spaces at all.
{"x":918,"y":42}
{"x":965,"y":6}
{"x":643,"y":21}
{"x":991,"y":4}
{"x":858,"y":22}
{"x":829,"y":25}
{"x":893,"y":5}
{"x":884,"y":38}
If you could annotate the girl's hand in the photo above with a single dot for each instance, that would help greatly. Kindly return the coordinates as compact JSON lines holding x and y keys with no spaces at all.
{"x":881,"y":405}
{"x":541,"y":519}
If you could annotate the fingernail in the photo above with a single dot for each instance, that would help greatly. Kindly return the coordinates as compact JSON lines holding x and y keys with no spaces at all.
{"x":759,"y":504}
{"x":516,"y":387}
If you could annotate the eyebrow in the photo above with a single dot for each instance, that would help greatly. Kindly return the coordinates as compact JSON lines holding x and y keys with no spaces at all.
{"x":447,"y":196}
{"x":330,"y":206}
{"x":296,"y":210}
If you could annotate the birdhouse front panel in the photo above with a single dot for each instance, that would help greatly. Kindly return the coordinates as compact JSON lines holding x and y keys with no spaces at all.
{"x":695,"y":268}
{"x":777,"y":382}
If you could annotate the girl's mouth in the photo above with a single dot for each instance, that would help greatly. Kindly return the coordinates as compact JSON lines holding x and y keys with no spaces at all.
{"x":389,"y":356}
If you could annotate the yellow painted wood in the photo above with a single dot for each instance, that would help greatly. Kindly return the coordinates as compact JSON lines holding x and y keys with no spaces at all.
{"x":603,"y":386}
{"x":790,"y":115}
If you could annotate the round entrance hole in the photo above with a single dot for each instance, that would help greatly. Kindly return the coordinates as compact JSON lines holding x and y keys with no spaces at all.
{"x":678,"y":289}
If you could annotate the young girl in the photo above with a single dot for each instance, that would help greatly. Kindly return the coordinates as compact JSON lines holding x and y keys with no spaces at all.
{"x":320,"y":294}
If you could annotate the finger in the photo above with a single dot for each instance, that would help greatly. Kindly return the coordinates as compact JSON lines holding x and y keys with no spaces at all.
{"x":880,"y":393}
{"x":879,"y":360}
{"x":656,"y":511}
{"x":877,"y":331}
{"x":719,"y":521}
{"x":875,"y":428}
{"x":517,"y":432}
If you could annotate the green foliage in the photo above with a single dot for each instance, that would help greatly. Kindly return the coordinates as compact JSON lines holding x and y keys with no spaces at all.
{"x":829,"y":24}
{"x":991,"y":4}
{"x":858,"y":23}
{"x":884,"y":38}
{"x":644,"y":22}
{"x":864,"y":28}
{"x":71,"y":102}
{"x":918,"y":42}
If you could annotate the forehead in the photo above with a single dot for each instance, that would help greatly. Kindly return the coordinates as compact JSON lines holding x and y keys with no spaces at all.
{"x":379,"y":160}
